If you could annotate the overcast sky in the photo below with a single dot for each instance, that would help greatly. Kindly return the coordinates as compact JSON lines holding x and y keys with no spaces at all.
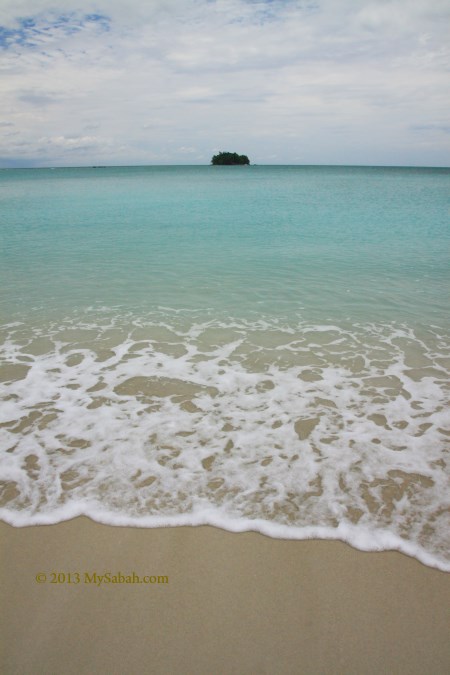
{"x":173,"y":81}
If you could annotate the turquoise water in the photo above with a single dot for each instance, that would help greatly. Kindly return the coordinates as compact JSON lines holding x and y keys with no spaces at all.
{"x":253,"y":347}
{"x":325,"y":242}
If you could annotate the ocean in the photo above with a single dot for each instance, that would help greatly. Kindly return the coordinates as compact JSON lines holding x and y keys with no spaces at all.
{"x":256,"y":348}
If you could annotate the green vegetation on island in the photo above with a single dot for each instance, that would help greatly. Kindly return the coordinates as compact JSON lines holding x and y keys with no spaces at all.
{"x":229,"y":159}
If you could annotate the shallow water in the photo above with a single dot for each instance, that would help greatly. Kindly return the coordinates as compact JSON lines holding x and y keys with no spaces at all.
{"x":257,"y":348}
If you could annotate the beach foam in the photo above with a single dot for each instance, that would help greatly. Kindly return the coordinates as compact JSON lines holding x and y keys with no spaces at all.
{"x":292,"y":429}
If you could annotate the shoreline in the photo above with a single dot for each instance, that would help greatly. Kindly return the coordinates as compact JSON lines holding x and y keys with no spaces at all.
{"x":234,"y":602}
{"x":370,"y":541}
{"x":225,"y":422}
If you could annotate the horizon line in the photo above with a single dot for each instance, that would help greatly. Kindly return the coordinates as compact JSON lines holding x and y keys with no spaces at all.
{"x":255,"y":164}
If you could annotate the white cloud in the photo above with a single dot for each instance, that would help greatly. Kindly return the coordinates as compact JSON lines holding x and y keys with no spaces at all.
{"x":354,"y":81}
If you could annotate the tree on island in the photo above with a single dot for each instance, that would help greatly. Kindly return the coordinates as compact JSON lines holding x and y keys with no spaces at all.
{"x":229,"y":158}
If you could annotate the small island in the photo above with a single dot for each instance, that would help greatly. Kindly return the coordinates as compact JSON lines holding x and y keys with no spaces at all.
{"x":229,"y":159}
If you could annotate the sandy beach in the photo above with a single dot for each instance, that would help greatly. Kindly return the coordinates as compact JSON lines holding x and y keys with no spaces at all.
{"x":230,"y":603}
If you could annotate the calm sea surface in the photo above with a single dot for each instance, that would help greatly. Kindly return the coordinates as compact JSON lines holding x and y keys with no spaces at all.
{"x":251,"y":347}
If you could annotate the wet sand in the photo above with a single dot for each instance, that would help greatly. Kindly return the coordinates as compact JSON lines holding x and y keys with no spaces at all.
{"x":234,"y":604}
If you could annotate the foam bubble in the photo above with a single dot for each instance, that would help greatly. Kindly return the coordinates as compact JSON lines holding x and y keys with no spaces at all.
{"x":291,"y":429}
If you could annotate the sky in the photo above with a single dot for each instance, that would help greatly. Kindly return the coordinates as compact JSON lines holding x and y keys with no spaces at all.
{"x":148,"y":82}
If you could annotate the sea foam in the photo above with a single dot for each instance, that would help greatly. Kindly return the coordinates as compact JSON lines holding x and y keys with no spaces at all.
{"x":291,"y":429}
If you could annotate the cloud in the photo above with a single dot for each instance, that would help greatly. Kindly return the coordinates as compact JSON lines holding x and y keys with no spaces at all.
{"x":354,"y":81}
{"x":36,"y":32}
{"x":71,"y":143}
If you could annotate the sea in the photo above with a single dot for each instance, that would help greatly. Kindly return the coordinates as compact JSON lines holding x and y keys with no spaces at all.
{"x":250,"y":347}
